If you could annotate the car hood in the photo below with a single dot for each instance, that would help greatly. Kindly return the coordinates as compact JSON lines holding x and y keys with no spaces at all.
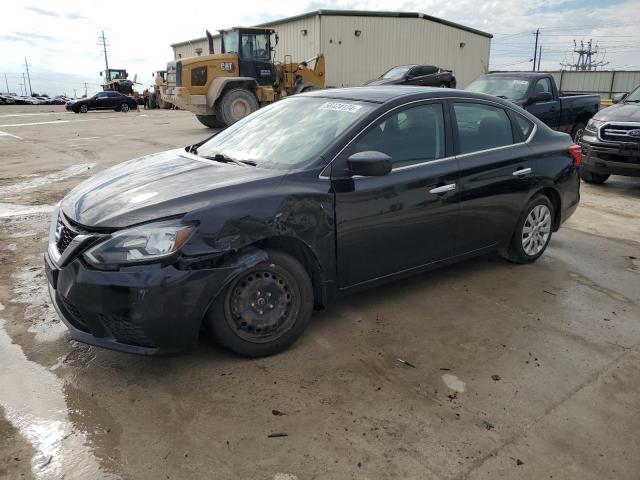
{"x":620,"y":112}
{"x":156,"y":186}
{"x":384,"y":81}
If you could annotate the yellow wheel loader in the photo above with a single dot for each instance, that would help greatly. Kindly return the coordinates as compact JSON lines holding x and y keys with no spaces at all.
{"x":221,"y":88}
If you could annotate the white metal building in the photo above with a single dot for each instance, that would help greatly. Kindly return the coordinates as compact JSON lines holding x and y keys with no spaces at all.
{"x":361,"y":45}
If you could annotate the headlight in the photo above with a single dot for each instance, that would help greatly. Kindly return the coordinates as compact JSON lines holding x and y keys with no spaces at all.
{"x":140,"y":244}
{"x":594,"y":124}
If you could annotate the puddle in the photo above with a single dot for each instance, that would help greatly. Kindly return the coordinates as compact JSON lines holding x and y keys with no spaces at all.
{"x":33,"y":401}
{"x":36,"y":182}
{"x":454,"y":383}
{"x":11,"y":210}
{"x":30,"y":289}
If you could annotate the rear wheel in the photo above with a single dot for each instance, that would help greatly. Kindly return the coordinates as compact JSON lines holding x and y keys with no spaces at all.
{"x":124,"y":107}
{"x":210,"y":121}
{"x":533,"y":231}
{"x":592,"y":177}
{"x":264,"y":309}
{"x":83,"y":109}
{"x":236,"y":104}
{"x":443,"y":85}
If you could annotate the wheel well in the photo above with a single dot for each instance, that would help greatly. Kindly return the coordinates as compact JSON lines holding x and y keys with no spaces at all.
{"x":583,"y":119}
{"x":246,"y":84}
{"x":554,"y":196}
{"x":307,"y":258}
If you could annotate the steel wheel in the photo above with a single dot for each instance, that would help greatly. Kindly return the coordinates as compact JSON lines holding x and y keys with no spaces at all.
{"x":262,"y":305}
{"x":536,"y":230}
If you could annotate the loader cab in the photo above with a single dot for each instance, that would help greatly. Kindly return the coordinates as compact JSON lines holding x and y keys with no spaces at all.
{"x":253,"y":47}
{"x":115,"y":74}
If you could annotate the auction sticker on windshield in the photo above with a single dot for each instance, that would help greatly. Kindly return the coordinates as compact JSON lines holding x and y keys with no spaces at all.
{"x":340,"y":107}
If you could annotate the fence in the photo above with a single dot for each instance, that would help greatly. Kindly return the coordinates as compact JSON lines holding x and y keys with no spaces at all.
{"x":604,"y":82}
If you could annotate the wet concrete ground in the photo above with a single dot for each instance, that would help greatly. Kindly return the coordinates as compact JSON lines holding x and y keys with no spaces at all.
{"x":509,"y":371}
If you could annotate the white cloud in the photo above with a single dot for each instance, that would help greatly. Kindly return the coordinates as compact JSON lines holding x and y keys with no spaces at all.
{"x":60,"y":38}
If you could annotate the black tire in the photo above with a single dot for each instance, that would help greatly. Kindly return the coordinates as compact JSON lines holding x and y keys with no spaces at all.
{"x":443,"y":85}
{"x":242,"y":317}
{"x":577,"y":131}
{"x":592,"y":177}
{"x":515,"y":251}
{"x":83,"y":109}
{"x":236,"y":104}
{"x":210,"y":121}
{"x":124,"y":107}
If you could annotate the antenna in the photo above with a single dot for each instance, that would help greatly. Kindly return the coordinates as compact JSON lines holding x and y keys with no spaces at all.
{"x":102,"y":40}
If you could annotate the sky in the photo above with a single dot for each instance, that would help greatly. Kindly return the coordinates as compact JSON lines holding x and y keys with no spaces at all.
{"x":60,"y":38}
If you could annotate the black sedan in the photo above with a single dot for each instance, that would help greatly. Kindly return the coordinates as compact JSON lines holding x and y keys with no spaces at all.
{"x":420,"y":75}
{"x":103,"y":101}
{"x":246,"y":232}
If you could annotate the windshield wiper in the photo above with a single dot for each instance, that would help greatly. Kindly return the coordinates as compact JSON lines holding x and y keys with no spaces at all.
{"x":221,"y":157}
{"x":502,"y":96}
{"x":632,"y":101}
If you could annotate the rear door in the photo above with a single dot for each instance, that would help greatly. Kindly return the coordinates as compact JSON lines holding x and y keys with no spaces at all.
{"x":407,"y":218}
{"x":549,"y":111}
{"x":496,"y":172}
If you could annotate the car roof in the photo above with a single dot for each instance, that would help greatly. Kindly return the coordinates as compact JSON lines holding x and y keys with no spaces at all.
{"x":387,"y":93}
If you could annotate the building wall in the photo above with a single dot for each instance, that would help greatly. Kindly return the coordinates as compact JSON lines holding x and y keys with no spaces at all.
{"x":388,"y":41}
{"x":384,"y":42}
{"x":189,"y":49}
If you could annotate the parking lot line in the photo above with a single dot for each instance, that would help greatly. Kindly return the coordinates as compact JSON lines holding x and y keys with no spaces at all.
{"x":6,"y":134}
{"x":6,"y":115}
{"x":45,"y":123}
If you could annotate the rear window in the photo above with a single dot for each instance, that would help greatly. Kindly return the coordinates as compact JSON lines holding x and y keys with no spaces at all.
{"x":482,"y":127}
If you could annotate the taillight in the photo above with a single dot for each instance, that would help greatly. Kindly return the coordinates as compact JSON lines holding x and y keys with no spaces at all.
{"x":576,"y":152}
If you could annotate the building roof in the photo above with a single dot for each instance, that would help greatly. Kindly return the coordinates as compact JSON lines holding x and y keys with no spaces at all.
{"x":356,"y":13}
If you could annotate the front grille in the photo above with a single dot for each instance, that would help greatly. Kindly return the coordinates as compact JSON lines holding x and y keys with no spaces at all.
{"x":616,"y":132}
{"x":65,"y":233}
{"x":125,"y":331}
{"x":74,"y":315}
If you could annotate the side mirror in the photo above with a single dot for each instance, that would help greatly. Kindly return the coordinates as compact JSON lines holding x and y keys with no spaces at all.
{"x":618,"y":97}
{"x":369,"y":164}
{"x":540,"y":97}
{"x":100,"y":73}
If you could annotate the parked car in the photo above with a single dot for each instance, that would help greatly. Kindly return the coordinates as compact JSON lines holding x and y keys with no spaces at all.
{"x":538,"y":94}
{"x":103,"y":101}
{"x":422,"y":75}
{"x":611,"y":140}
{"x":58,"y":101}
{"x":7,"y":100}
{"x":246,"y":231}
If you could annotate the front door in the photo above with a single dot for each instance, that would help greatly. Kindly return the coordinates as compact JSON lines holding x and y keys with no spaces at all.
{"x":255,"y":58}
{"x":496,"y":172}
{"x":407,"y":218}
{"x":549,"y":111}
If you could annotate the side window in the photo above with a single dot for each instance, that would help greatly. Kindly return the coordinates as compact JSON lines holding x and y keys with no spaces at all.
{"x":543,"y":85}
{"x":113,"y":94}
{"x":199,"y":77}
{"x":428,"y":70}
{"x":413,"y":135}
{"x":102,"y":95}
{"x":481,"y":127}
{"x":524,"y":125}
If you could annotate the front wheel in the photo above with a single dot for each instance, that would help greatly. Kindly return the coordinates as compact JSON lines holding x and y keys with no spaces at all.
{"x":577,"y":131}
{"x":264,"y":309}
{"x":124,"y":107}
{"x":236,"y":104}
{"x":84,"y":109}
{"x":443,"y":85}
{"x":592,"y":177}
{"x":532,"y":233}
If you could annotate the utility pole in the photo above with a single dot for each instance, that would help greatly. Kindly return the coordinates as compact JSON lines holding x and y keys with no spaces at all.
{"x":6,"y":82}
{"x":20,"y":85}
{"x":26,"y":65}
{"x":103,"y":41}
{"x":85,"y":89}
{"x":535,"y":49}
{"x":24,"y":82}
{"x":75,"y":95}
{"x":539,"y":57}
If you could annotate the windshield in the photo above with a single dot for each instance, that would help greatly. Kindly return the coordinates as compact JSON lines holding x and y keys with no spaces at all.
{"x":287,"y":133}
{"x":633,"y":96}
{"x":395,"y":73}
{"x":509,"y":88}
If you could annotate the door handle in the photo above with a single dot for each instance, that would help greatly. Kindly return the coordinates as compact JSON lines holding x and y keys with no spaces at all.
{"x":443,"y":188}
{"x":522,"y":172}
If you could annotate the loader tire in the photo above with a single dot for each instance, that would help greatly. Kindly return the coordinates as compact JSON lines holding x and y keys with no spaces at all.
{"x":236,"y":104}
{"x":210,"y":121}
